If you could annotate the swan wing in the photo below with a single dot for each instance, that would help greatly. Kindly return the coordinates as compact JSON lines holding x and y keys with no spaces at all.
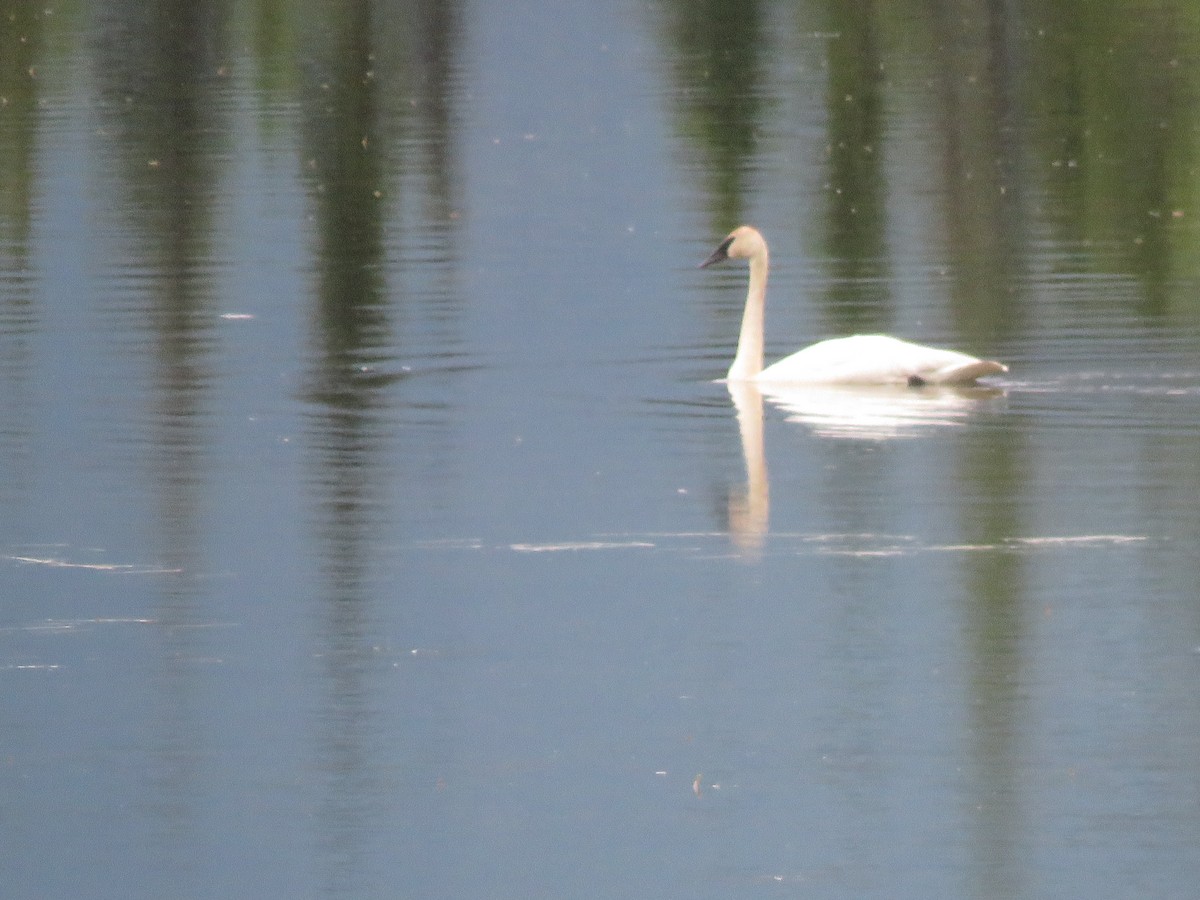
{"x":877,"y":359}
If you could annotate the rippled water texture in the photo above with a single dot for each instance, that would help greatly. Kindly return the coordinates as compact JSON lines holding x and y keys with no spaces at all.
{"x":374,"y":521}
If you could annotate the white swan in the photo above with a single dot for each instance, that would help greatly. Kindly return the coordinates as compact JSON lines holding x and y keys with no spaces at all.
{"x":861,"y":359}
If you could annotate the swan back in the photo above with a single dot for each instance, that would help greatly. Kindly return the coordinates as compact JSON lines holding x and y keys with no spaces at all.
{"x":877,"y":359}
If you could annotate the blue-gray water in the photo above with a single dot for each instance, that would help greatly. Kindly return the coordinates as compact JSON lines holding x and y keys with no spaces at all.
{"x":371,"y":524}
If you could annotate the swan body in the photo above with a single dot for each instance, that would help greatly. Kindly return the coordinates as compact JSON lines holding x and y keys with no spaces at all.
{"x":861,"y":359}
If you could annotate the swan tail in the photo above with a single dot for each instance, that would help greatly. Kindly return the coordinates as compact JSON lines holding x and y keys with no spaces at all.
{"x":965,"y":373}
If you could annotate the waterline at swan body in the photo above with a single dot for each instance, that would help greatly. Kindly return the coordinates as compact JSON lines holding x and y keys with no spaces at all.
{"x":861,"y":359}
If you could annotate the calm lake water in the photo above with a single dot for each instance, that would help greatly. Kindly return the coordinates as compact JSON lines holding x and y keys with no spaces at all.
{"x":372,"y":523}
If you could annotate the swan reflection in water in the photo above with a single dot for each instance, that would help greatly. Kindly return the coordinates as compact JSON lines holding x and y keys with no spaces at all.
{"x":863,"y":413}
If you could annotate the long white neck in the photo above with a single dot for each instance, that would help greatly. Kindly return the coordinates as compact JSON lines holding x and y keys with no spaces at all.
{"x":749,"y":359}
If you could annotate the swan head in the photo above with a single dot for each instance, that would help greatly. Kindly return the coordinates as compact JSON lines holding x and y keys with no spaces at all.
{"x":743,"y":242}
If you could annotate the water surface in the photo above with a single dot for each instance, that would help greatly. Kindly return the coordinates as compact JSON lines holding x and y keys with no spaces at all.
{"x":373,"y":521}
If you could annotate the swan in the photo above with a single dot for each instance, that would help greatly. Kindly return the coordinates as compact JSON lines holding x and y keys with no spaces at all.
{"x":861,"y":359}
